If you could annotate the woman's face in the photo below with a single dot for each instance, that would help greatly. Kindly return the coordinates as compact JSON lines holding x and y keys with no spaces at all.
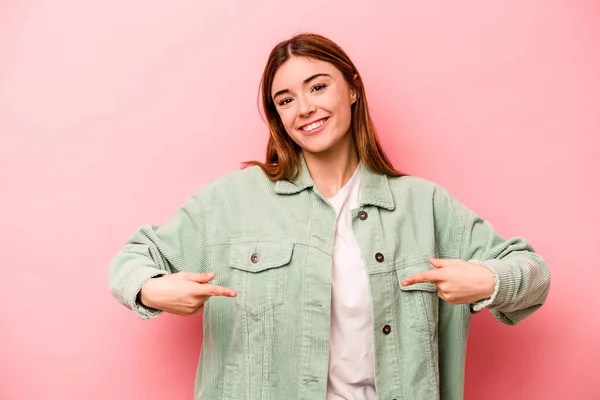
{"x":314,"y":103}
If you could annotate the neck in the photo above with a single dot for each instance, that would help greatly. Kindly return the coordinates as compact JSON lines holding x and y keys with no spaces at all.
{"x":331,"y":170}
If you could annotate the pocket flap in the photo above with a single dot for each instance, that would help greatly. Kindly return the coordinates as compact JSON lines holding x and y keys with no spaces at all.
{"x":410,"y":270}
{"x":260,"y":256}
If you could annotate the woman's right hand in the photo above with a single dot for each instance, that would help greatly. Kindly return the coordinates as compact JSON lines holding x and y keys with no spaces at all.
{"x":182,"y":293}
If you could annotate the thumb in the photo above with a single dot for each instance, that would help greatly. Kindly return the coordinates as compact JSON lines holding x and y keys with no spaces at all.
{"x":439,"y":262}
{"x":200,"y":277}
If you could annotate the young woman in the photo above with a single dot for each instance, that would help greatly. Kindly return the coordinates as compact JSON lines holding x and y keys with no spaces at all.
{"x":324,"y":272}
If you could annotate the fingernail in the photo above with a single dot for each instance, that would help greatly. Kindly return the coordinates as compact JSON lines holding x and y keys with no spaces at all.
{"x":232,"y":294}
{"x":211,"y":274}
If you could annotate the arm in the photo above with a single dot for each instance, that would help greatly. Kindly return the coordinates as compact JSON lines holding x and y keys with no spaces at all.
{"x":153,"y":251}
{"x":522,"y":276}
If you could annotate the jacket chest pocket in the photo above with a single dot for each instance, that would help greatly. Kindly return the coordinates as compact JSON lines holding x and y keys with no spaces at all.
{"x":420,"y":300}
{"x":258,"y":272}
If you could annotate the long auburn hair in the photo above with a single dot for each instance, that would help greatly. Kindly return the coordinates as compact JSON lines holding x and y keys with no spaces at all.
{"x":283,"y":160}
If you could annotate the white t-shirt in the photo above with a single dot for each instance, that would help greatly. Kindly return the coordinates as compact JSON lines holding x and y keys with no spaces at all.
{"x":351,"y":362}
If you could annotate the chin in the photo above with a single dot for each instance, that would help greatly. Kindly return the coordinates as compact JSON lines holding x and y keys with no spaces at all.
{"x":316,"y":148}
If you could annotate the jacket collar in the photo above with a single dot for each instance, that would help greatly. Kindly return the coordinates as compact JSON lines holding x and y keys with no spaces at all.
{"x":302,"y":181}
{"x":375,"y":188}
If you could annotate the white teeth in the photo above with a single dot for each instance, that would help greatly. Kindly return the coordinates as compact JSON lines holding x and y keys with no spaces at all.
{"x":312,"y":126}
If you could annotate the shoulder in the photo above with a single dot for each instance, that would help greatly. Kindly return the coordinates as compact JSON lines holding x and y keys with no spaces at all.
{"x":233,"y":184}
{"x":240,"y":179}
{"x":426,"y":196}
{"x":423,"y":196}
{"x":417,"y":187}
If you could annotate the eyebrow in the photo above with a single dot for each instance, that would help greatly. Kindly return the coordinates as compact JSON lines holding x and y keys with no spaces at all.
{"x":307,"y":80}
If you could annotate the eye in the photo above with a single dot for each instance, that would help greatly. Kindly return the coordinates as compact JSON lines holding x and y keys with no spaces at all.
{"x":318,"y":87}
{"x":285,"y":102}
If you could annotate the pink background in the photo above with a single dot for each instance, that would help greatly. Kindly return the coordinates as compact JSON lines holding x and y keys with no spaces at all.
{"x":112,"y":113}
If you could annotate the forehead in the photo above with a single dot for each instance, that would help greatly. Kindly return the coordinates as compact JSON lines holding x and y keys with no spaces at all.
{"x":295,"y":70}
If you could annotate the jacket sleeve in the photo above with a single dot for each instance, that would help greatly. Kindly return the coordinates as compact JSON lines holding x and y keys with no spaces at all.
{"x":153,"y":250}
{"x":522,"y":275}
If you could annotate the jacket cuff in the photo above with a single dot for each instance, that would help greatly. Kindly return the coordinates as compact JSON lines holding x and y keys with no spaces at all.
{"x":132,"y":291}
{"x":481,"y":304}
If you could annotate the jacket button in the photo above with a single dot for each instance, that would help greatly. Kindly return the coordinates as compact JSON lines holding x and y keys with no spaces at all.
{"x":386,"y":329}
{"x":255,"y":258}
{"x":362,"y":215}
{"x":379,"y":257}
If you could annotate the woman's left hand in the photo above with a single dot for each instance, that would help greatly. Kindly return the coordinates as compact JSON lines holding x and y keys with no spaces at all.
{"x":458,"y":281}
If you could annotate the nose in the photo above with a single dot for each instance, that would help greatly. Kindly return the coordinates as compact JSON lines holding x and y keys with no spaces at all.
{"x":305,"y":107}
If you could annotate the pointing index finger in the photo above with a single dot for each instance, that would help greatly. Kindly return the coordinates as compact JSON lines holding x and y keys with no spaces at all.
{"x":215,"y":290}
{"x":422,"y":277}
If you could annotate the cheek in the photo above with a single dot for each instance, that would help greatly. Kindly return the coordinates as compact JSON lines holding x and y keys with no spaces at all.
{"x":287,"y":117}
{"x":340,"y":102}
{"x":344,"y":112}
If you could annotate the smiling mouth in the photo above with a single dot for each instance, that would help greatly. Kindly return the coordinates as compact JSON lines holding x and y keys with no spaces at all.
{"x":313,"y":125}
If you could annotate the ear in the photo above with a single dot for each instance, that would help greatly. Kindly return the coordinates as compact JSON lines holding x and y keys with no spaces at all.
{"x":353,"y":94}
